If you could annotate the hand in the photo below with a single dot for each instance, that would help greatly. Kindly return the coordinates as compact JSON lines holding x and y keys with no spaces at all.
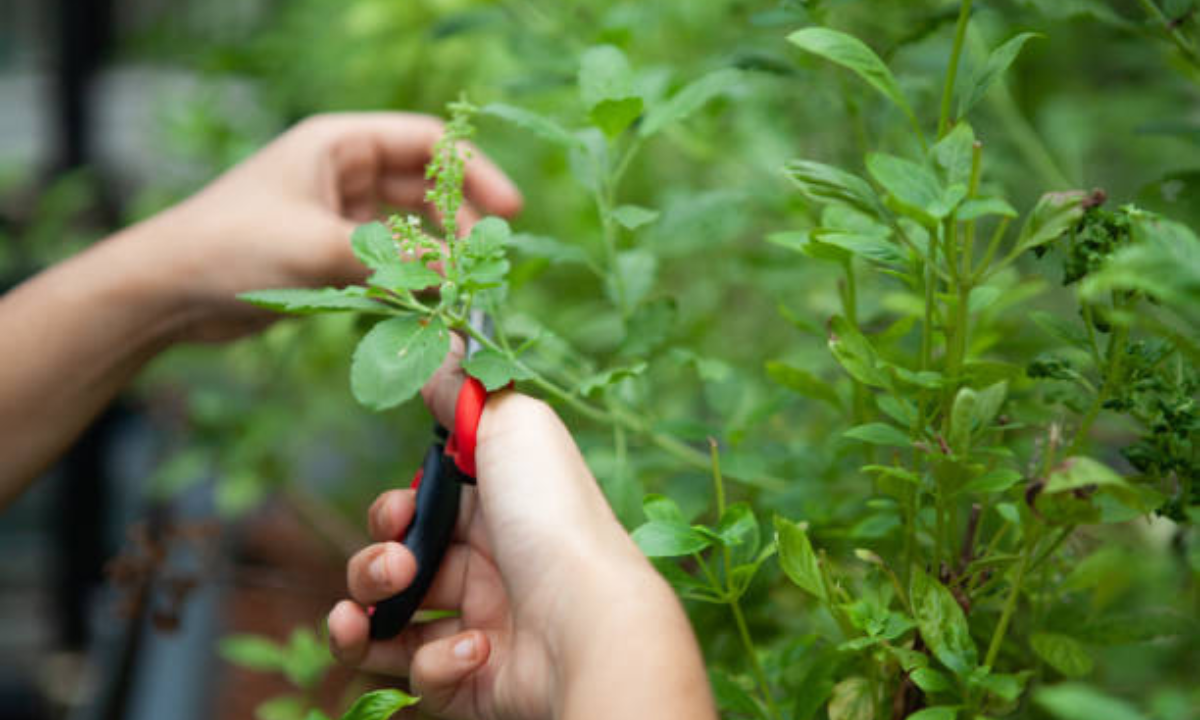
{"x":283,"y":218}
{"x":560,"y":615}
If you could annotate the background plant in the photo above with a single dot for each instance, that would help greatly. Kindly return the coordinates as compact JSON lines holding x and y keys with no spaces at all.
{"x":871,"y":390}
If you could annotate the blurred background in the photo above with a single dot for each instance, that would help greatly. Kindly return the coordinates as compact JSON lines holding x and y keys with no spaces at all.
{"x":222,"y":493}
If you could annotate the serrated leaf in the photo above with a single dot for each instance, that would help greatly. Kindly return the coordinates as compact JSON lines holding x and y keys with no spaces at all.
{"x":396,"y":358}
{"x":493,"y":369}
{"x":539,"y":125}
{"x":659,"y":538}
{"x":853,"y":54}
{"x":405,"y":276}
{"x":604,"y":74}
{"x":374,"y":245}
{"x":997,"y":63}
{"x":1063,"y":653}
{"x":880,"y":434}
{"x":942,"y":624}
{"x":252,"y":651}
{"x":797,"y":558}
{"x":614,"y":116}
{"x":914,"y":186}
{"x":688,"y":100}
{"x":1054,"y":214}
{"x":632,"y":217}
{"x":827,"y":184}
{"x":305,"y":301}
{"x":379,"y":705}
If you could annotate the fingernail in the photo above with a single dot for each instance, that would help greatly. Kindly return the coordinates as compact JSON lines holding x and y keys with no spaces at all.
{"x":378,"y":569}
{"x":464,"y":649}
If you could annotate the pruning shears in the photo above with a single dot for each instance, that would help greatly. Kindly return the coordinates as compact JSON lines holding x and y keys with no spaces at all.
{"x":449,"y":463}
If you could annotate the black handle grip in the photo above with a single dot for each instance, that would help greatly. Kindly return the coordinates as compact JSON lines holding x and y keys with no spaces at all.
{"x":427,"y":538}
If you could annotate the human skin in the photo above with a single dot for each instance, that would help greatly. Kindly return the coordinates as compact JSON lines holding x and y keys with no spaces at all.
{"x":560,"y":614}
{"x":75,"y":334}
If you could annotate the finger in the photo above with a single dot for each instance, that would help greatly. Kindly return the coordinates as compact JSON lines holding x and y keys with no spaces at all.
{"x":441,"y":392}
{"x":395,"y":656}
{"x":440,"y":668}
{"x":404,"y":142}
{"x":390,"y":514}
{"x":406,"y":191}
{"x":466,"y":218}
{"x":380,"y":571}
{"x":349,"y":632}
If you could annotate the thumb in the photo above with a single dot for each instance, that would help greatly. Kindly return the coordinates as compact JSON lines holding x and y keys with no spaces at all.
{"x":440,"y":668}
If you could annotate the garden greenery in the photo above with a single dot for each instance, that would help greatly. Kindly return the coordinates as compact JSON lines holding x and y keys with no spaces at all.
{"x":934,"y":520}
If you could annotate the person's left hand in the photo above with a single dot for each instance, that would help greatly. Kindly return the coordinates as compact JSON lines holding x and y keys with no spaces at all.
{"x":283,"y":217}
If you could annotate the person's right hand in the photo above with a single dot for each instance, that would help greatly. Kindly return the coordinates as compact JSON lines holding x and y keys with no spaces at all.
{"x":560,"y":615}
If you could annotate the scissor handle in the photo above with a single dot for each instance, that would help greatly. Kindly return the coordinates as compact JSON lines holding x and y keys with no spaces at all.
{"x":438,"y":485}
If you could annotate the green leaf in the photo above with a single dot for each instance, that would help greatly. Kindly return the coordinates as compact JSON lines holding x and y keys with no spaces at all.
{"x":405,"y":276}
{"x":930,"y":680}
{"x":851,"y":699}
{"x":634,"y":274}
{"x":304,"y":301}
{"x":610,"y":376}
{"x":942,"y":624}
{"x":855,"y":354}
{"x":539,"y":125}
{"x":955,"y":153}
{"x":374,"y":245}
{"x":306,"y":659}
{"x":604,"y":74}
{"x":880,"y":434}
{"x":547,"y":248}
{"x":688,"y":100}
{"x":730,"y":695}
{"x":869,"y":247}
{"x":1084,"y":474}
{"x":661,"y":538}
{"x":379,"y":705}
{"x":797,"y":558}
{"x":995,"y":481}
{"x":997,"y":63}
{"x":613,"y":116}
{"x":315,"y":714}
{"x":493,"y":369}
{"x":962,"y":414}
{"x":1054,"y":214}
{"x":802,"y":382}
{"x":661,"y":507}
{"x":1060,"y":329}
{"x":1063,"y":653}
{"x":1076,"y":701}
{"x":981,"y":207}
{"x":854,"y":55}
{"x":738,"y":526}
{"x":1164,"y":263}
{"x":827,"y":184}
{"x":914,"y":187}
{"x":943,"y":712}
{"x":252,"y":651}
{"x":632,"y":217}
{"x":396,"y":358}
{"x":281,"y":707}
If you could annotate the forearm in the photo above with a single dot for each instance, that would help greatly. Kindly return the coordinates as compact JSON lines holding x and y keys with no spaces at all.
{"x":638,"y":658}
{"x":74,"y":335}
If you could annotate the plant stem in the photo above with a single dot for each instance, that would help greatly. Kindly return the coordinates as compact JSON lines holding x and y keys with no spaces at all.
{"x":748,"y":643}
{"x":1179,"y":39}
{"x":1010,"y":607}
{"x":1116,"y":351}
{"x":960,"y":34}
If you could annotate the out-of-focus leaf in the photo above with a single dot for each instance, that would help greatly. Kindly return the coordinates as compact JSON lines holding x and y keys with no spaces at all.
{"x":379,"y":705}
{"x":1076,"y":701}
{"x":997,"y":63}
{"x":688,"y":100}
{"x":539,"y":125}
{"x":1063,"y":653}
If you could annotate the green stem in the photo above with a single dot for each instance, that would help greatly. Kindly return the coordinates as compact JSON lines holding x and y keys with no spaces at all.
{"x":1116,"y":351}
{"x":1173,"y":34}
{"x":960,"y":34}
{"x":1010,"y":607}
{"x":748,"y":644}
